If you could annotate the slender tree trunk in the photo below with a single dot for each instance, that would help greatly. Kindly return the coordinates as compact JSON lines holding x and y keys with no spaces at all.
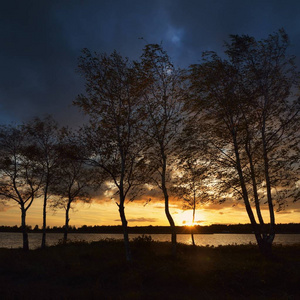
{"x":67,"y":223}
{"x":43,"y":244}
{"x":194,"y":211}
{"x":254,"y":185}
{"x":192,"y":236}
{"x":167,"y":211}
{"x":24,"y":230}
{"x":172,"y":225}
{"x":268,"y":239}
{"x":255,"y":227}
{"x":263,"y":231}
{"x":125,"y":229}
{"x":268,"y":185}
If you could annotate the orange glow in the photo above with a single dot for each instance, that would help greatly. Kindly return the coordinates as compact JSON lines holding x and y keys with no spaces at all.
{"x":185,"y":217}
{"x":139,"y":214}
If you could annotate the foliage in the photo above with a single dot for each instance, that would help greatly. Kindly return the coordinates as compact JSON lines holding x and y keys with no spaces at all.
{"x":162,"y":103}
{"x":20,"y":176}
{"x":45,"y":140}
{"x":97,"y":270}
{"x":113,"y":137}
{"x":251,"y":123}
{"x":76,"y":179}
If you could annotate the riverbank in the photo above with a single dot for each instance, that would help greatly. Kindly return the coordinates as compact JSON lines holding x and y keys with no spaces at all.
{"x":291,"y":228}
{"x":99,"y":271}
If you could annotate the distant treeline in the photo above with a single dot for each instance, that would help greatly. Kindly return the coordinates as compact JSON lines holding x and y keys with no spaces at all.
{"x":216,"y":228}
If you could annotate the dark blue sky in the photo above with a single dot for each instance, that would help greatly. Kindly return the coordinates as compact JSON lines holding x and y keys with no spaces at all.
{"x":41,"y":41}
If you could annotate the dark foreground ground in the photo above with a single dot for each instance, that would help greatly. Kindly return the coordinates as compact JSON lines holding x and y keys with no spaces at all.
{"x":99,"y":271}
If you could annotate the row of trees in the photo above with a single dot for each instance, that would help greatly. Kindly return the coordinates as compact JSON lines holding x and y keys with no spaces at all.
{"x":39,"y":160}
{"x":225,"y":128}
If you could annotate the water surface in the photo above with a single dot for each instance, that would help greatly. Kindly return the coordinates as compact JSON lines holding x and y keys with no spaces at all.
{"x":14,"y":239}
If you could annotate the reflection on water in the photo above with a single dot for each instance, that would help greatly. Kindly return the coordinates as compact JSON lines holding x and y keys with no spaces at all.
{"x":14,"y":240}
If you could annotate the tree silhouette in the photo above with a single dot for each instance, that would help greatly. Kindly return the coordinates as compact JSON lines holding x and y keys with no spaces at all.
{"x":44,"y":135}
{"x":162,"y":102}
{"x":75,"y":179}
{"x":113,"y":136}
{"x":249,"y":119}
{"x":20,"y":177}
{"x":191,"y":184}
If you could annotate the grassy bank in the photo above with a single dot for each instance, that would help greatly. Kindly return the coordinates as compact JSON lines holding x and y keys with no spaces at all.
{"x":99,"y":271}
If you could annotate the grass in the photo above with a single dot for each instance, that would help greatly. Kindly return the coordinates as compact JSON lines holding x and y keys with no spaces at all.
{"x":99,"y":271}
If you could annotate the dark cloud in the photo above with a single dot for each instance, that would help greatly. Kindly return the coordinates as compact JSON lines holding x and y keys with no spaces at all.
{"x":207,"y":24}
{"x":41,"y":40}
{"x":37,"y":65}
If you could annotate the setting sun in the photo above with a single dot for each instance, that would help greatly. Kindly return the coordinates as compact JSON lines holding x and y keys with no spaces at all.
{"x":185,"y":217}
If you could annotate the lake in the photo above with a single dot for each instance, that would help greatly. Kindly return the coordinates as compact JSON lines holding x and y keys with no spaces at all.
{"x":14,"y":239}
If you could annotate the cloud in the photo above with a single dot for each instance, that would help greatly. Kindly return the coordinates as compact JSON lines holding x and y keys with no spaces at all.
{"x":283,"y":212}
{"x":140,"y":220}
{"x":199,"y":221}
{"x":41,"y":41}
{"x":4,"y":207}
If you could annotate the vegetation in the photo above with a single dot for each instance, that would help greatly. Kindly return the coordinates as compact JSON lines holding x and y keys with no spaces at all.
{"x":44,"y":140}
{"x":21,"y":179}
{"x":113,"y":135}
{"x":248,"y":116}
{"x":75,"y":179}
{"x":162,"y":102}
{"x":216,"y":228}
{"x":99,"y":271}
{"x":226,"y":128}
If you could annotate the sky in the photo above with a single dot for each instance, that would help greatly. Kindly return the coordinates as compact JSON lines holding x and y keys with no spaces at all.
{"x":42,"y":40}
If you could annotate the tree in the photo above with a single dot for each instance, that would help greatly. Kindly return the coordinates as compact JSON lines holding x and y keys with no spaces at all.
{"x":191,"y":184}
{"x":21,"y":177}
{"x":75,"y":178}
{"x":249,"y":118}
{"x":113,"y":136}
{"x":44,"y":134}
{"x":162,"y":102}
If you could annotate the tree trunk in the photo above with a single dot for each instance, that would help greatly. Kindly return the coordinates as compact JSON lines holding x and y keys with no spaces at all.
{"x":256,"y":228}
{"x":171,"y":221}
{"x":192,"y":236}
{"x":43,"y":244}
{"x":192,"y":227}
{"x":167,"y":211}
{"x":268,"y":184}
{"x":265,"y":247}
{"x":24,"y":230}
{"x":243,"y":184}
{"x":66,"y":224}
{"x":125,"y":230}
{"x":254,"y":183}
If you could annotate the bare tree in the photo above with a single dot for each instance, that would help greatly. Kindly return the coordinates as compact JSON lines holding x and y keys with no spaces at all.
{"x":160,"y":83}
{"x":249,"y":118}
{"x":21,"y":177}
{"x":74,"y":178}
{"x":113,"y":136}
{"x":191,"y":184}
{"x":44,"y":134}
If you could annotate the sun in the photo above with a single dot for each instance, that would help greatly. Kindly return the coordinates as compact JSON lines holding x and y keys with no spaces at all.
{"x":185,"y":218}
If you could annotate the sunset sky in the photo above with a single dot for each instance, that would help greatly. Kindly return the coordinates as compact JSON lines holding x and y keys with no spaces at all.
{"x":40,"y":44}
